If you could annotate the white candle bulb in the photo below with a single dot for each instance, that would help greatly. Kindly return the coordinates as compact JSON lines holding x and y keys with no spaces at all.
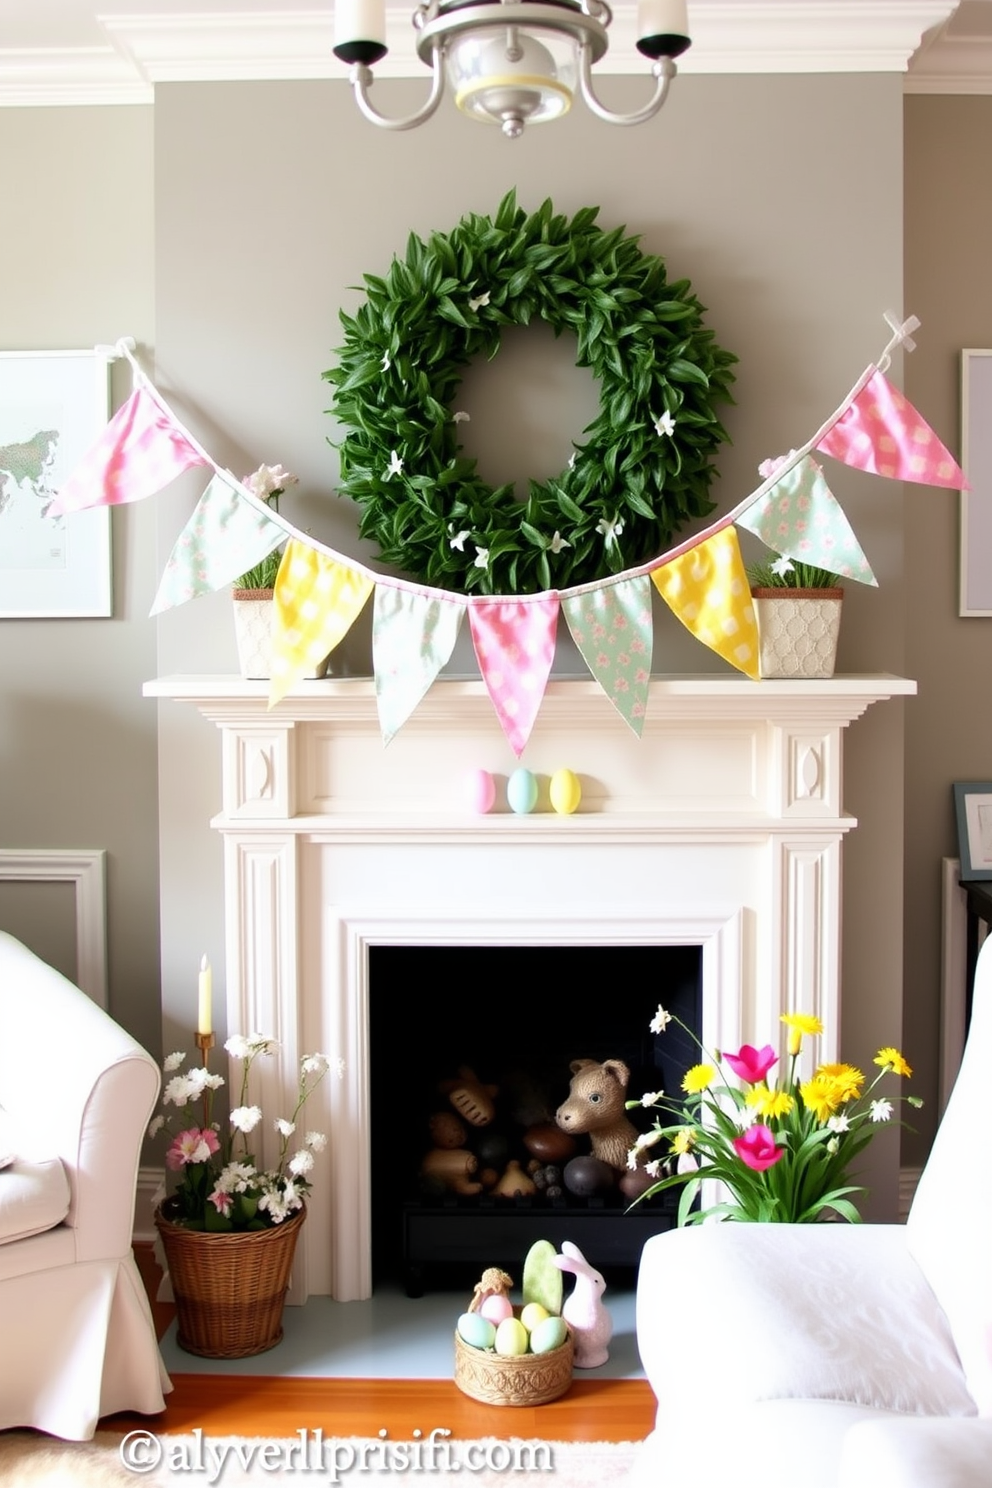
{"x":359,"y":20}
{"x":662,"y":18}
{"x":204,"y":1010}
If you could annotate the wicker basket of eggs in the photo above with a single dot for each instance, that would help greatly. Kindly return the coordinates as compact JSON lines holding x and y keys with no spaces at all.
{"x":515,"y":1355}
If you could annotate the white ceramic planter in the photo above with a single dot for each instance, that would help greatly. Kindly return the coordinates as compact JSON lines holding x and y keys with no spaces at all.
{"x":797,"y":631}
{"x":253,"y":632}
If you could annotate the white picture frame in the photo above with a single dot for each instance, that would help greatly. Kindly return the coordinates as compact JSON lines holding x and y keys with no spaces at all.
{"x":53,"y":405}
{"x":975,"y":598}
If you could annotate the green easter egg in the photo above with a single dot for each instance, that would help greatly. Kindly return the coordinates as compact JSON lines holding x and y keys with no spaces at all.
{"x":549,"y":1334}
{"x":476,"y":1331}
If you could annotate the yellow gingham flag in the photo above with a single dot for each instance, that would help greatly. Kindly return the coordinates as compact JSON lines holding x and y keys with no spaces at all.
{"x":317,"y":600}
{"x":707,"y":590}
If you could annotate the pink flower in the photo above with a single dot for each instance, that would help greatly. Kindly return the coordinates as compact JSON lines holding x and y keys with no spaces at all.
{"x":221,"y":1201}
{"x":752,"y":1064}
{"x":192,"y":1146}
{"x":756,"y":1148}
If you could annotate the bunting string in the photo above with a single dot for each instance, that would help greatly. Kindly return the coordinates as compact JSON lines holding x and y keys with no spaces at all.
{"x":320,"y":592}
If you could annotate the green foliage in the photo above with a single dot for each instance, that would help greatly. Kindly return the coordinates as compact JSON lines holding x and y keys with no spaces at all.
{"x":446,"y":303}
{"x":798,"y":576}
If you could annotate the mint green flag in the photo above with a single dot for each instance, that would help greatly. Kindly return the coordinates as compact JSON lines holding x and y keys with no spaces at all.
{"x":614,"y":630}
{"x":413,"y":635}
{"x":801,"y":518}
{"x":227,"y":534}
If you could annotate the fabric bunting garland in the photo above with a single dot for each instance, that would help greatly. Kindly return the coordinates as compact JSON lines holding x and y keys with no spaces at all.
{"x":413,"y":636}
{"x":140,"y":451}
{"x":226,"y":535}
{"x":319,"y":593}
{"x":514,"y":643}
{"x":613,"y":628}
{"x":801,"y":518}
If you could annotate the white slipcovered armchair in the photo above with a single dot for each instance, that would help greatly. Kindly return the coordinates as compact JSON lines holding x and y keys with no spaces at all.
{"x":834,"y":1355}
{"x":76,"y":1335}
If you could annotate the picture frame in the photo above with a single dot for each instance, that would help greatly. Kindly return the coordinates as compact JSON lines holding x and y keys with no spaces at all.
{"x":975,"y":596}
{"x":53,"y":405}
{"x":973,"y":809}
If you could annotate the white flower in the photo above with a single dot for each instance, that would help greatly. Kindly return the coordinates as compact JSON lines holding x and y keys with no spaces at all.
{"x":199,"y":1080}
{"x":571,"y":460}
{"x":273,"y":1202}
{"x":686,"y":1163}
{"x":177,"y":1092}
{"x":557,"y":543}
{"x":461,"y":417}
{"x":155,"y":1125}
{"x":314,"y":1064}
{"x":479,"y":301}
{"x":632,"y":1159}
{"x":610,"y":530}
{"x":660,"y":1021}
{"x":647,"y":1139}
{"x":481,"y":558}
{"x":292,"y":1194}
{"x":237,"y":1046}
{"x":651,"y":1097}
{"x":246,"y":1118}
{"x":267,"y":480}
{"x":458,"y":541}
{"x":665,"y":424}
{"x":880,"y":1110}
{"x":395,"y":466}
{"x":782,"y":566}
{"x":172,"y":1062}
{"x":240,"y":1047}
{"x":386,"y":363}
{"x":236,"y":1178}
{"x":833,"y":1146}
{"x":301,"y":1162}
{"x":283,"y":1127}
{"x":838,"y":1123}
{"x":653,"y":1168}
{"x":316,"y":1141}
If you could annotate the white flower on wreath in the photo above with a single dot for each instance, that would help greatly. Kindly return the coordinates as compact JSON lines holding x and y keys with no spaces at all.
{"x":458,"y":541}
{"x":557,"y":543}
{"x":386,"y":363}
{"x":665,"y":424}
{"x":395,"y":466}
{"x":610,"y":531}
{"x":481,"y":558}
{"x":461,"y":417}
{"x":478,"y":301}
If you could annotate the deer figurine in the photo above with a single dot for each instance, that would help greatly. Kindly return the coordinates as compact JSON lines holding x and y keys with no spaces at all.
{"x":589,"y":1320}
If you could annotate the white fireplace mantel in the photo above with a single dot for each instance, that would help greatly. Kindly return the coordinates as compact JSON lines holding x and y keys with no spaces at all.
{"x":721,"y":826}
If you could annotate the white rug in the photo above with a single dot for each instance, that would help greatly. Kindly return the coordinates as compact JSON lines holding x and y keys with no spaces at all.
{"x":29,"y":1461}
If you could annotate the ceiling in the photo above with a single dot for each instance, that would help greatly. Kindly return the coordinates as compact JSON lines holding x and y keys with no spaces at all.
{"x":79,"y":51}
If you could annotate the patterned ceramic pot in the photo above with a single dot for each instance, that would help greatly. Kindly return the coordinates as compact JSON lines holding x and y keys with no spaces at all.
{"x":797,"y":631}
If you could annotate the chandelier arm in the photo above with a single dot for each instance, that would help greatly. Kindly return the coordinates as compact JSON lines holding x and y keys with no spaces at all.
{"x":663,"y":71}
{"x":361,"y":79}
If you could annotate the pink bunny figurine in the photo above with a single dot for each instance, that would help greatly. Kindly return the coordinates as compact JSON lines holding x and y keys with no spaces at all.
{"x":583,"y":1311}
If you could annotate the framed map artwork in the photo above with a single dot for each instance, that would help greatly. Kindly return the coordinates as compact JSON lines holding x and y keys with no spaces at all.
{"x":53,"y":405}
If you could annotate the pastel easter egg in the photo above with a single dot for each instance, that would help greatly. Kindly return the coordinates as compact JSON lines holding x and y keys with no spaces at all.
{"x":496,"y":1308}
{"x":480,"y":791}
{"x":476,"y":1331}
{"x":521,"y":791}
{"x":549,"y":1334}
{"x":511,"y":1338}
{"x":533,"y":1314}
{"x":566,"y":792}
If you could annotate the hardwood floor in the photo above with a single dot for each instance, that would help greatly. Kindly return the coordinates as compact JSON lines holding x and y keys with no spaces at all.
{"x":593,"y":1410}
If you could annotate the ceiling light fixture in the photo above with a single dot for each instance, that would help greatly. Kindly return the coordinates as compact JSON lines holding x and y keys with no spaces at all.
{"x":510,"y":62}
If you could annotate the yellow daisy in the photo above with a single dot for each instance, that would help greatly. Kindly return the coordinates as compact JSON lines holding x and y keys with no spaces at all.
{"x":798,"y":1024}
{"x":683,"y":1139}
{"x":822,"y":1096}
{"x":891,"y":1059}
{"x":769,"y":1102}
{"x":848,"y":1077}
{"x":698,"y":1078}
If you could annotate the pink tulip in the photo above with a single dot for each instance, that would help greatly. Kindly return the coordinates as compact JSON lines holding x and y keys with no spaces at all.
{"x":757,"y":1149}
{"x":752,"y":1064}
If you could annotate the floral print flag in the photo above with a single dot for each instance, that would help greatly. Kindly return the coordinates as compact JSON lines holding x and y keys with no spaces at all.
{"x":882,"y":432}
{"x":613,"y":629}
{"x":707,"y":590}
{"x":317,"y":600}
{"x":801,"y":518}
{"x":226,"y":535}
{"x":140,"y":451}
{"x":413,"y":635}
{"x":514,"y":643}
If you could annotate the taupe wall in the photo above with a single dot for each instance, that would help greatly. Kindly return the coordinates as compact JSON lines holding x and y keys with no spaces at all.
{"x":949,"y":732}
{"x":77,"y":742}
{"x":779,"y":197}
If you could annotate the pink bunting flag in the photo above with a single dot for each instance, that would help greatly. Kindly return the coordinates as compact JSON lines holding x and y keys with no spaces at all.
{"x":140,"y":451}
{"x":514,"y":642}
{"x":881,"y":431}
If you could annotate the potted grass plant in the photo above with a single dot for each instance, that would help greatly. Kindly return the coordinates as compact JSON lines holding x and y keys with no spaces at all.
{"x":798,"y":609}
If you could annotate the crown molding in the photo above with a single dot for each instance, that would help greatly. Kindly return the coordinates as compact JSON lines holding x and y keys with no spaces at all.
{"x":956,"y":57}
{"x":729,"y":36}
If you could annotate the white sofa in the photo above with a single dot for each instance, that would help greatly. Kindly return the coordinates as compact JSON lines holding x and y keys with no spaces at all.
{"x":834,"y":1355}
{"x":76,"y":1335}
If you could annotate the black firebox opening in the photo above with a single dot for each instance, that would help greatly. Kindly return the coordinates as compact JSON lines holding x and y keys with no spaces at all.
{"x":517,"y":1016}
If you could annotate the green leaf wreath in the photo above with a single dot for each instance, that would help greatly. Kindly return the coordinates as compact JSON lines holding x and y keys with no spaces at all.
{"x":643,"y":470}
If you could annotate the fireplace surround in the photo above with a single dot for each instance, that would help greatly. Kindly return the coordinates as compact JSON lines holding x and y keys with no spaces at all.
{"x":720,"y":828}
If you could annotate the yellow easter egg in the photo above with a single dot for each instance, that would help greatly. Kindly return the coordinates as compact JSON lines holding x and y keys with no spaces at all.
{"x":511,"y":1338}
{"x":566,"y":792}
{"x":533,"y":1314}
